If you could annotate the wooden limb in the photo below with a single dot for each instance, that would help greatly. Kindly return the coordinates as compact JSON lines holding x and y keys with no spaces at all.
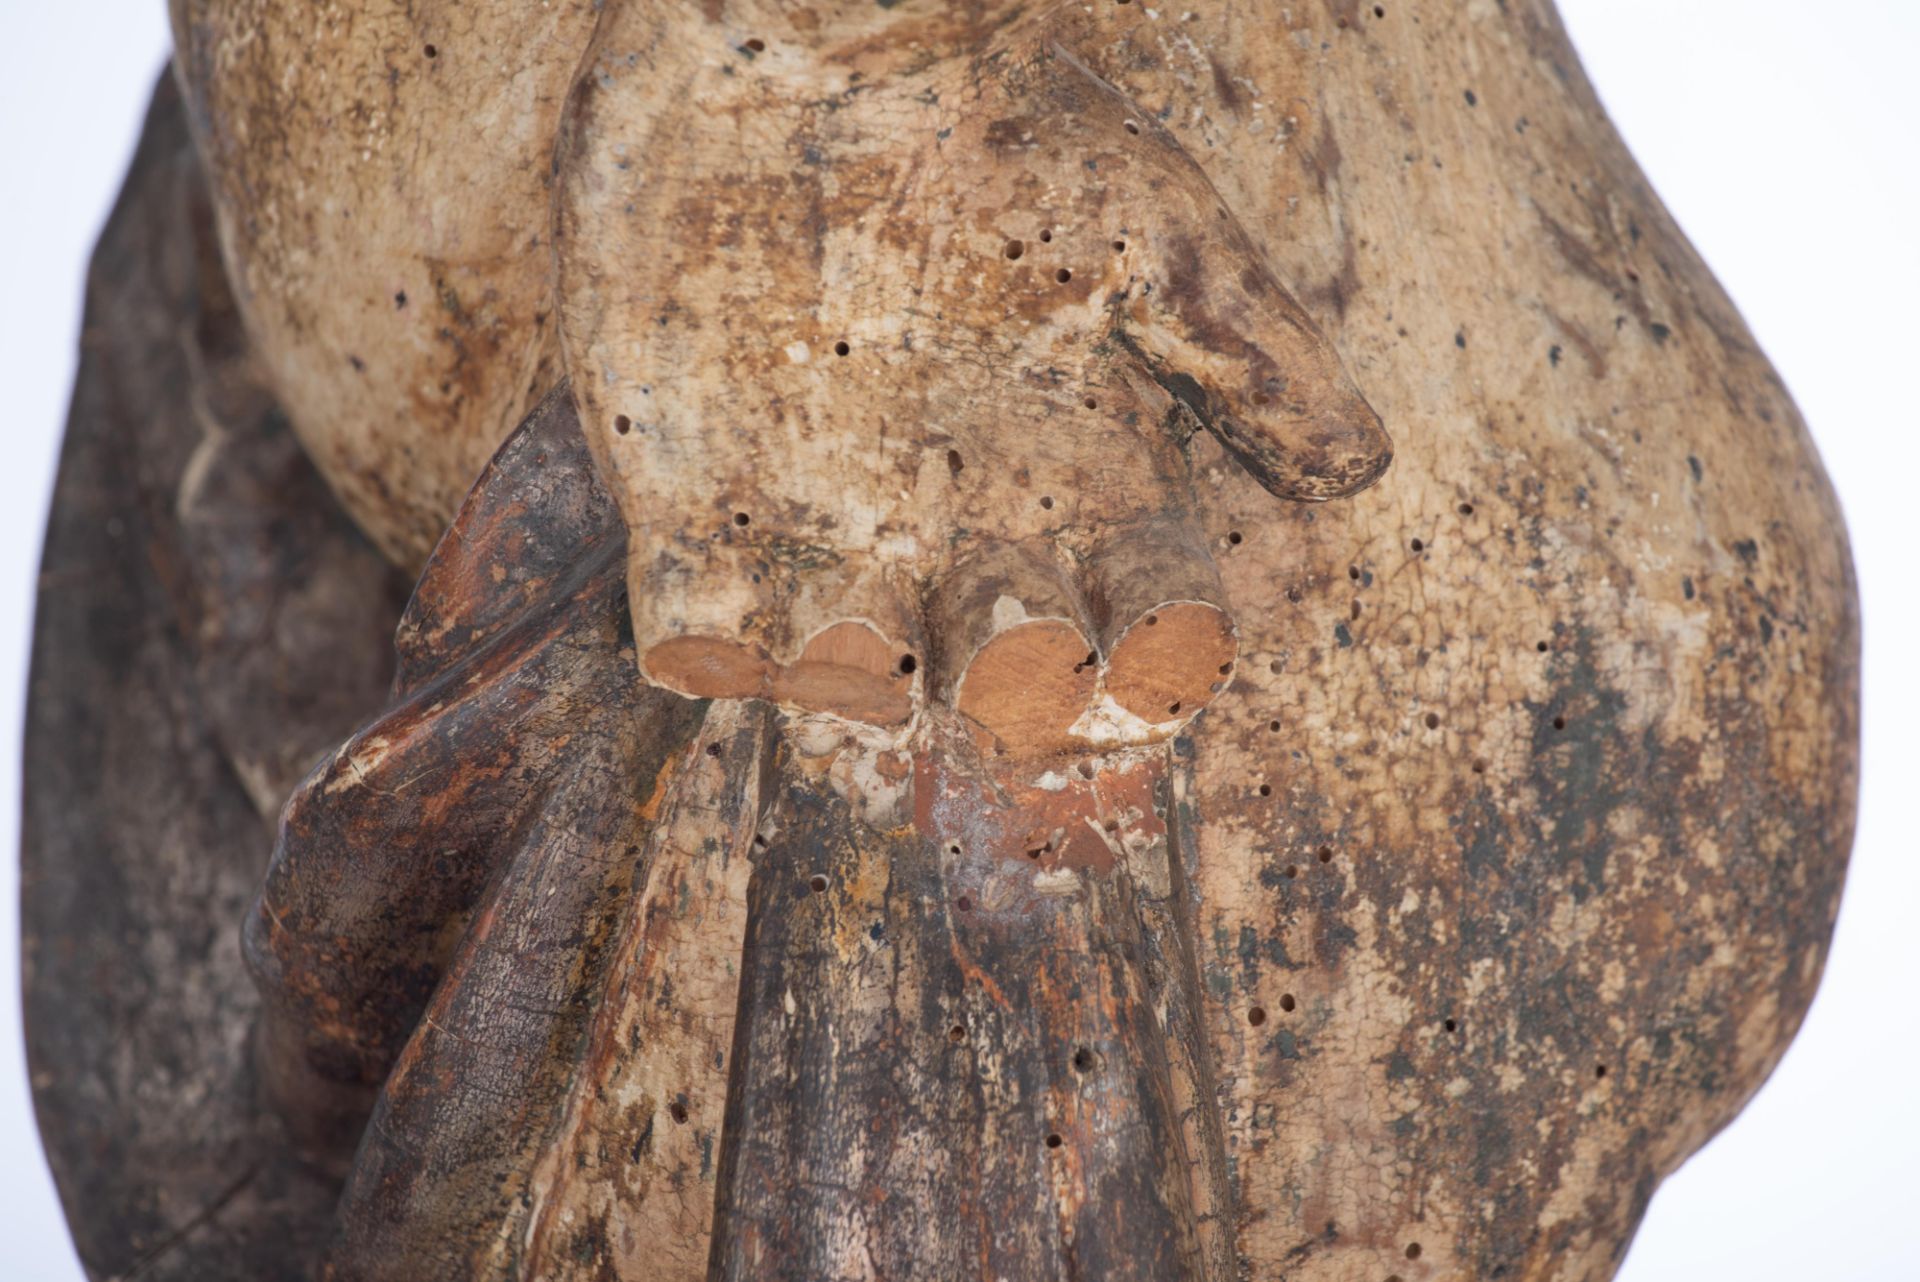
{"x":517,"y":683}
{"x":1169,"y":639}
{"x":952,"y":1059}
{"x":774,"y":426}
{"x":494,"y":1148}
{"x":1012,"y":652}
{"x":628,"y":1184}
{"x":405,"y":317}
{"x":1496,"y":882}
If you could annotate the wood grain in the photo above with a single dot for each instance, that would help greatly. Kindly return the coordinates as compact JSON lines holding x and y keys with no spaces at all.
{"x":1493,"y":879}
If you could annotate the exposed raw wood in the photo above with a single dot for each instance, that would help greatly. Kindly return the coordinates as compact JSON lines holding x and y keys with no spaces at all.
{"x":872,"y":317}
{"x":1011,"y":648}
{"x":1135,"y":832}
{"x":1167,"y":626}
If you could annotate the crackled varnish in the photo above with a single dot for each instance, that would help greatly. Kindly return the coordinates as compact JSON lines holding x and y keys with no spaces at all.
{"x":938,"y":746}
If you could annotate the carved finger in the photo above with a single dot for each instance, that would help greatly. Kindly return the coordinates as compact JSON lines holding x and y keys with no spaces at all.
{"x":1169,"y":640}
{"x":1200,"y":311}
{"x":854,"y":650}
{"x":1203,"y":315}
{"x":1226,"y":342}
{"x":1012,"y":649}
{"x":699,"y":615}
{"x":834,"y":642}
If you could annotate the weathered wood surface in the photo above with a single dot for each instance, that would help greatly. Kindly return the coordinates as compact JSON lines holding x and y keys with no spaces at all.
{"x":1493,"y":879}
{"x":385,"y":216}
{"x":696,"y":999}
{"x":831,"y":292}
{"x":208,"y":624}
{"x":452,"y":893}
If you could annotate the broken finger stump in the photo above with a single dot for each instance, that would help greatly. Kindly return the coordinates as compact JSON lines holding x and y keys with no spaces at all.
{"x":935,"y":734}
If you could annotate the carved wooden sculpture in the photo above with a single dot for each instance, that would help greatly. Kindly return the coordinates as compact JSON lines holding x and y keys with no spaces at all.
{"x":934,"y":745}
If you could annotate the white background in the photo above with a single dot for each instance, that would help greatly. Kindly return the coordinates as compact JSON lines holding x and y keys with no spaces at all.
{"x":1783,"y":136}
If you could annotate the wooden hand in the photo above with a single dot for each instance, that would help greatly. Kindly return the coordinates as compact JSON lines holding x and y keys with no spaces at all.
{"x":893,"y":358}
